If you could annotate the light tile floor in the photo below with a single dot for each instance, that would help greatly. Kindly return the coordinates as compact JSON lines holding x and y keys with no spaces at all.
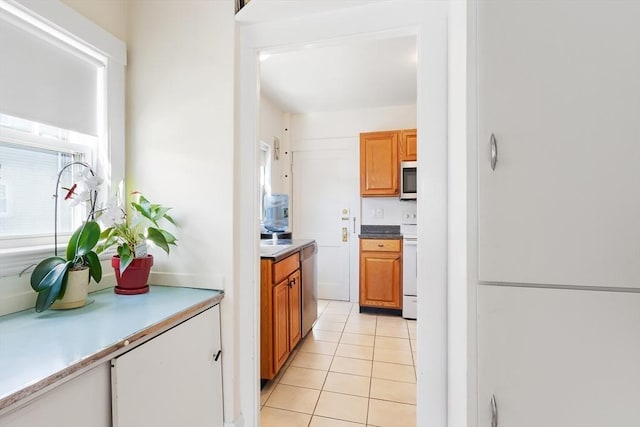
{"x":351,"y":370}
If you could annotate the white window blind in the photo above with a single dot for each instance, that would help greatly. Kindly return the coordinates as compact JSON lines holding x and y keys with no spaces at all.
{"x":28,"y":181}
{"x":44,"y":80}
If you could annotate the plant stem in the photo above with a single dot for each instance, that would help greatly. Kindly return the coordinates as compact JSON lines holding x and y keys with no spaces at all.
{"x":55,"y":209}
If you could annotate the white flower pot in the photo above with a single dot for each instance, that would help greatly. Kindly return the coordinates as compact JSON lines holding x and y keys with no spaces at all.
{"x":76,"y":291}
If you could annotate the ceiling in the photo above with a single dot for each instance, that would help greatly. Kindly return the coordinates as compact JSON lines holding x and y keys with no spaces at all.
{"x":355,"y":74}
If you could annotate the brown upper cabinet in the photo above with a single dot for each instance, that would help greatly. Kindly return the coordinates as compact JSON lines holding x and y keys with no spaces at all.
{"x":380,"y":157}
{"x":379,"y":164}
{"x":408,"y":145}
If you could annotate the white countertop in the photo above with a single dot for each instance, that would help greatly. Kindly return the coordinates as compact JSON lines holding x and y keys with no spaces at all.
{"x":39,"y":349}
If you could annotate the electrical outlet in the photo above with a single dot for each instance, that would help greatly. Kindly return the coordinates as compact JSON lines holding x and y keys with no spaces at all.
{"x":379,"y":213}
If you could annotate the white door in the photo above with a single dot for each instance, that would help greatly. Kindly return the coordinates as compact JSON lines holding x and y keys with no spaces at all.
{"x":559,"y":89}
{"x":324,"y":203}
{"x":172,"y":380}
{"x":558,"y":357}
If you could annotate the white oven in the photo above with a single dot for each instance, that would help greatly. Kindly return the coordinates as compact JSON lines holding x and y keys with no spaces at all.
{"x":410,"y":278}
{"x":409,"y":266}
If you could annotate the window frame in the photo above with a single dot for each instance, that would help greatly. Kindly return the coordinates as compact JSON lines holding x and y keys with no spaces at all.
{"x":67,"y":26}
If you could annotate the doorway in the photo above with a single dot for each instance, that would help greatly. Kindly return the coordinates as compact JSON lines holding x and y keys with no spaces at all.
{"x":428,"y":20}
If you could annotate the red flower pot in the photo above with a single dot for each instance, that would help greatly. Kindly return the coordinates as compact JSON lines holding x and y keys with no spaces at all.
{"x":134,"y":279}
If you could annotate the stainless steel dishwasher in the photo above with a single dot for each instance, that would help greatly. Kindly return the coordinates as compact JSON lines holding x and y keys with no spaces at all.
{"x":309,"y":312}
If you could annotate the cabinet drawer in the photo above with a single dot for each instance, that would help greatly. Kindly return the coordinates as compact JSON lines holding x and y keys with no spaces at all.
{"x":380,"y":245}
{"x":283,"y":268}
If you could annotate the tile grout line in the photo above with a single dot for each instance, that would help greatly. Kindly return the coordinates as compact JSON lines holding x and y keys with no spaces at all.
{"x":313,"y":414}
{"x":371,"y":377}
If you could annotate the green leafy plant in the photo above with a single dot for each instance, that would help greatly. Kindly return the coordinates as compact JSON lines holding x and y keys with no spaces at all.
{"x":49,"y":278}
{"x":130,"y":232}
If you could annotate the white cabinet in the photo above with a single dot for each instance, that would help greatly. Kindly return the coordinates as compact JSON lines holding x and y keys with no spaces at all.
{"x":174,"y":379}
{"x":83,"y":401}
{"x":558,"y":86}
{"x":560,"y":358}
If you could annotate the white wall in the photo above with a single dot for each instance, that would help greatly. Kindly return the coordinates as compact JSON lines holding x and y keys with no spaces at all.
{"x":385,"y":210}
{"x":180,"y":145}
{"x":331,"y":126}
{"x":349,"y":123}
{"x":110,"y":15}
{"x":272,"y":126}
{"x":180,"y":129}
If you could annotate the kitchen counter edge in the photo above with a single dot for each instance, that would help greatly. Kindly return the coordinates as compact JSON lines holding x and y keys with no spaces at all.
{"x":16,"y":398}
{"x":296,"y":246}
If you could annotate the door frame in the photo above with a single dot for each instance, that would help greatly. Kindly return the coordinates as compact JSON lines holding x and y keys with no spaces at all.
{"x":429,"y":22}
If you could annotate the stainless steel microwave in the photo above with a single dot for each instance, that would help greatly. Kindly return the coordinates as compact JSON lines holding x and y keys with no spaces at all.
{"x":408,"y":180}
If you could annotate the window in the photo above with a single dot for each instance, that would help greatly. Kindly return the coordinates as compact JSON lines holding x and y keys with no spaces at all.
{"x":265,"y":175}
{"x":61,"y":100}
{"x":31,"y":155}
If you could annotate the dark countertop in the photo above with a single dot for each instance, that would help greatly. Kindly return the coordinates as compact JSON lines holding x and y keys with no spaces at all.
{"x":380,"y":232}
{"x":282,"y":248}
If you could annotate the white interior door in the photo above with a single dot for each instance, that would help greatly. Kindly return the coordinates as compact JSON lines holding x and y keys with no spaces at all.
{"x":324,"y":204}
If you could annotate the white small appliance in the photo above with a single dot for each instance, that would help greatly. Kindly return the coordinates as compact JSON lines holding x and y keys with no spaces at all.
{"x":408,"y":180}
{"x":409,"y":230}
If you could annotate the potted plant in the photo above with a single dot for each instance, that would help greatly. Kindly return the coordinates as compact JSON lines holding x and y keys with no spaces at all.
{"x":62,"y":282}
{"x":130,"y":232}
{"x":67,"y":279}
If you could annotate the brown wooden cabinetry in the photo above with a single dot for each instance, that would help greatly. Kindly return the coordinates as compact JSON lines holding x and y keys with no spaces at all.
{"x":379,"y":164}
{"x":381,"y":273}
{"x":280,"y":328}
{"x":408,"y":145}
{"x":380,"y":157}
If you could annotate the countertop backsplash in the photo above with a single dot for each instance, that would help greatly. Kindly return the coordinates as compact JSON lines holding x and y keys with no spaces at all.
{"x":385,"y":210}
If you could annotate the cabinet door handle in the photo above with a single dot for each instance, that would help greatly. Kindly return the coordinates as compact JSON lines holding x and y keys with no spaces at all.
{"x":494,"y":151}
{"x":217,"y":356}
{"x":380,"y":245}
{"x":494,"y":411}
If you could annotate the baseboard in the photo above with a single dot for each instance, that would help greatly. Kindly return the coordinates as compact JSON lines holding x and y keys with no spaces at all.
{"x":186,"y":280}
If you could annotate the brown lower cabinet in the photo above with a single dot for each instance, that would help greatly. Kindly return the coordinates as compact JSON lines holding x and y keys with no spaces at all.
{"x":280,"y":328}
{"x":381,"y":273}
